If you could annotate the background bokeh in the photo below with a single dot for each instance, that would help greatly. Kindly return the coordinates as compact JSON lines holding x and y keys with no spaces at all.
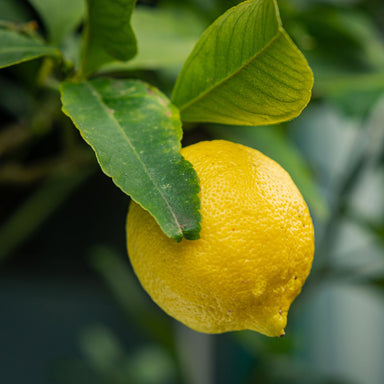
{"x":72,"y":311}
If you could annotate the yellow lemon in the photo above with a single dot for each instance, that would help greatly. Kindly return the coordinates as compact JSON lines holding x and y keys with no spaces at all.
{"x":254,"y":254}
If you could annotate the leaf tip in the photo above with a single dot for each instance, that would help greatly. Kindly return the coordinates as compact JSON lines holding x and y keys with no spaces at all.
{"x":191,"y":234}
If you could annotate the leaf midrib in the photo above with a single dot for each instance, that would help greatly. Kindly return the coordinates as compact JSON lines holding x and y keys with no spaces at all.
{"x":32,"y":49}
{"x":146,"y":171}
{"x":280,"y":31}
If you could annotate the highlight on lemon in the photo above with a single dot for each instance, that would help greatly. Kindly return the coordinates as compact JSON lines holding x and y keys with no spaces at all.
{"x":254,"y":254}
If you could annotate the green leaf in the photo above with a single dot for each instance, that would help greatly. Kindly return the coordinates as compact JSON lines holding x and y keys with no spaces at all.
{"x":16,"y":48}
{"x":136,"y":132}
{"x":244,"y":70}
{"x":353,"y":93}
{"x":108,"y":33}
{"x":14,"y":11}
{"x":165,"y":38}
{"x":60,"y":17}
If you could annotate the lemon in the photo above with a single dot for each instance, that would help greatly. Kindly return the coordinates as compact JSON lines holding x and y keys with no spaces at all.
{"x":254,"y":254}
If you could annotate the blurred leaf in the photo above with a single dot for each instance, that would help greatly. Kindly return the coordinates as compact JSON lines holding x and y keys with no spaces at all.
{"x":16,"y":48}
{"x":345,"y":38}
{"x":106,"y":356}
{"x":14,"y":11}
{"x":351,"y":83}
{"x":71,"y":50}
{"x":151,"y":365}
{"x":376,"y":229}
{"x":108,"y":33}
{"x":33,"y":212}
{"x":14,"y":98}
{"x":271,"y":142}
{"x":354,"y":93}
{"x":101,"y":348}
{"x":60,"y":17}
{"x":136,"y":132}
{"x":368,"y":35}
{"x":378,"y":282}
{"x":165,"y":38}
{"x":105,"y":360}
{"x":130,"y":296}
{"x":366,"y":199}
{"x":244,"y":70}
{"x":345,"y":49}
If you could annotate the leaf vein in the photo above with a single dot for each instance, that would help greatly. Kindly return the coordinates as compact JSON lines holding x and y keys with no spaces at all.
{"x":134,"y":151}
{"x":225,"y":79}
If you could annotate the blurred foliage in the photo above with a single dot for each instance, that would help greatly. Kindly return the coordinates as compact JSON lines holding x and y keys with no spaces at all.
{"x":334,"y":152}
